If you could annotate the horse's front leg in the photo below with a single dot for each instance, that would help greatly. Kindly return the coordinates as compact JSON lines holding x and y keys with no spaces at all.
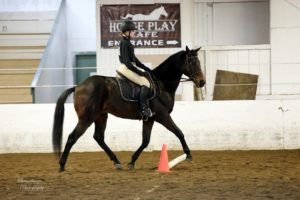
{"x":168,"y":122}
{"x":147,"y":127}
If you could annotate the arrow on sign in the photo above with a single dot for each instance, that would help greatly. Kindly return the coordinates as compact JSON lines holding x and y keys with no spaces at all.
{"x":172,"y":42}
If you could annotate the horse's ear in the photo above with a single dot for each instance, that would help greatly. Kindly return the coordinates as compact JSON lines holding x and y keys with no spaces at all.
{"x":196,"y":50}
{"x":187,"y":48}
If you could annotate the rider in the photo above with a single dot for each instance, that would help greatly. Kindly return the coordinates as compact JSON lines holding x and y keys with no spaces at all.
{"x":132,"y":68}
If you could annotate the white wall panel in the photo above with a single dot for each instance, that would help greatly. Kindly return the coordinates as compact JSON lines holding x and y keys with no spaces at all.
{"x":286,"y":45}
{"x":233,"y":59}
{"x":290,"y":117}
{"x":285,"y":13}
{"x":285,"y":42}
{"x":285,"y":78}
{"x":264,"y":81}
{"x":253,"y":56}
{"x":203,"y":24}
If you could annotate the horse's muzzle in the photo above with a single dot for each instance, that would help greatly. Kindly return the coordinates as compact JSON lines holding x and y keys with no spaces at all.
{"x":202,"y":83}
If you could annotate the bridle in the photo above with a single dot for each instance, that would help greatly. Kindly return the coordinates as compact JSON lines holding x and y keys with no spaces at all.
{"x":190,"y":74}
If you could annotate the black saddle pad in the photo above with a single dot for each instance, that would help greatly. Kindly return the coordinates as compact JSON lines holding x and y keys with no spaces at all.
{"x":131,"y":91}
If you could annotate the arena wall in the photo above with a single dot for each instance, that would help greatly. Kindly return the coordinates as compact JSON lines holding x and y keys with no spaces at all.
{"x":207,"y":125}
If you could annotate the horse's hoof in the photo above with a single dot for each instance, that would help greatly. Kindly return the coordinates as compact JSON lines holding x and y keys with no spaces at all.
{"x":130,"y":166}
{"x":189,"y":158}
{"x":118,"y":166}
{"x":61,"y":170}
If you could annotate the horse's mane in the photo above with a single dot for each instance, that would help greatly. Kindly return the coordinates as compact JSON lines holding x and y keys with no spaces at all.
{"x":169,"y":72}
{"x":162,"y":67}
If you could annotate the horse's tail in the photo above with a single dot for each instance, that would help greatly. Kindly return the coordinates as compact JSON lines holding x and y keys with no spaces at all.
{"x":127,"y":16}
{"x":59,"y":121}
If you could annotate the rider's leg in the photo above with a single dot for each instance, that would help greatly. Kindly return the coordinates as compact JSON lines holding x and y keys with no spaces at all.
{"x":134,"y":77}
{"x":145,"y":85}
{"x":145,"y":110}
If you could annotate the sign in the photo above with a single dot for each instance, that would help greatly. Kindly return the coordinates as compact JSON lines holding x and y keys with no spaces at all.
{"x":158,"y":25}
{"x":235,"y":86}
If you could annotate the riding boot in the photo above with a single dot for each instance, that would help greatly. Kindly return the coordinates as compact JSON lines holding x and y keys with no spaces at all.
{"x":145,"y":110}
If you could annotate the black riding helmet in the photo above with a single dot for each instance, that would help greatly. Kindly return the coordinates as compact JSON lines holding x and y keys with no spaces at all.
{"x":127,"y":25}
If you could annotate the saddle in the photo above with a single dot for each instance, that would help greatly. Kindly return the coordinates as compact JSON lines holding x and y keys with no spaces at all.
{"x":131,"y":91}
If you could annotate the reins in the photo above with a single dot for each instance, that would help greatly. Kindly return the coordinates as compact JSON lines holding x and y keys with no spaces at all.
{"x":183,"y":79}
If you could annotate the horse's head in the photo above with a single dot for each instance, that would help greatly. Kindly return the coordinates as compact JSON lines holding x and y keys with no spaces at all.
{"x":163,"y":11}
{"x":192,"y":67}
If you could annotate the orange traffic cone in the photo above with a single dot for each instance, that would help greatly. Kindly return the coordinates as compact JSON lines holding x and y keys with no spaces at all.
{"x":163,"y":166}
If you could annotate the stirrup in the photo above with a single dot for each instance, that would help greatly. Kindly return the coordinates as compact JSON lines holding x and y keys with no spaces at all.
{"x":146,"y":113}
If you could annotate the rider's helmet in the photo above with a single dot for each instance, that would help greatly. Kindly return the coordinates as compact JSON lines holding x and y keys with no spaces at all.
{"x":127,"y":25}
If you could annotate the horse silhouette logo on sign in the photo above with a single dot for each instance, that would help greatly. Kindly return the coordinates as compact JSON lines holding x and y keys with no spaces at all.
{"x":154,"y":15}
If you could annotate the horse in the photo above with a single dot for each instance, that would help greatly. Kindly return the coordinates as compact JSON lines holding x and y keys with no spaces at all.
{"x":98,"y":95}
{"x":154,"y":15}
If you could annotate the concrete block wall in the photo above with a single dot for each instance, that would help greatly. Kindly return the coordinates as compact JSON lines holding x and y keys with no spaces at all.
{"x":217,"y":125}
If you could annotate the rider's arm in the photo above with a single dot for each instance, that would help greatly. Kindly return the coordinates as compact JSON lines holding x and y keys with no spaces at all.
{"x":126,"y":52}
{"x":141,"y":65}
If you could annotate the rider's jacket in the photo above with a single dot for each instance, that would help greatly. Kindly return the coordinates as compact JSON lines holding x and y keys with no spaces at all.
{"x":128,"y":57}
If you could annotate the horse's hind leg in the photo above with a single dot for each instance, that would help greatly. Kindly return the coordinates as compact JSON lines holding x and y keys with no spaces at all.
{"x":147,"y":127}
{"x":73,"y":137}
{"x":100,"y":125}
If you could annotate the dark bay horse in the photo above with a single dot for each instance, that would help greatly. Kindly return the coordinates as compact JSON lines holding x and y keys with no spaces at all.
{"x":97,"y":96}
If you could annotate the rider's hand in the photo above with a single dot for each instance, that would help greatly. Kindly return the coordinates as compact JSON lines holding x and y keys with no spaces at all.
{"x":148,"y":70}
